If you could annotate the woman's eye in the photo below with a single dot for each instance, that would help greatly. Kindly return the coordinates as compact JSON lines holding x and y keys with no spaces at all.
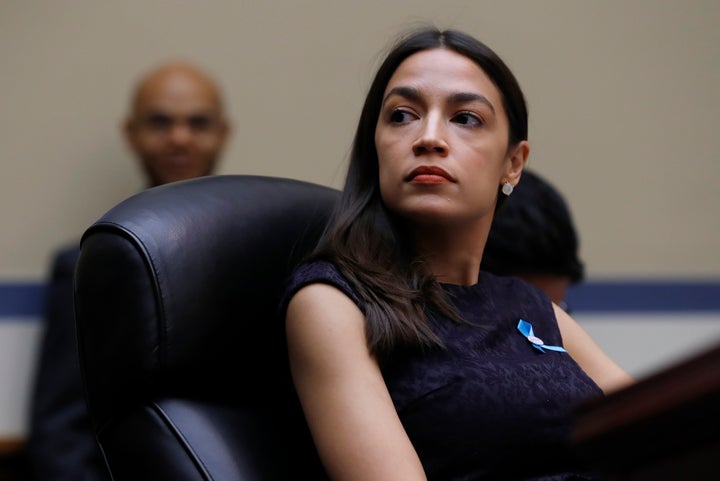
{"x":400,"y":116}
{"x":466,"y":118}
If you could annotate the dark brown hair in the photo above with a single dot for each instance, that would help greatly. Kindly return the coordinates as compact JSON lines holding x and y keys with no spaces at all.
{"x":366,"y":242}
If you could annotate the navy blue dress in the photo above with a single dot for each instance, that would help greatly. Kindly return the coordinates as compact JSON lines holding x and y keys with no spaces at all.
{"x":489,"y":406}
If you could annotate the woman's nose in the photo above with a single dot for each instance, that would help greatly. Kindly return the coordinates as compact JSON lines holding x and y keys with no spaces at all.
{"x":432,"y":138}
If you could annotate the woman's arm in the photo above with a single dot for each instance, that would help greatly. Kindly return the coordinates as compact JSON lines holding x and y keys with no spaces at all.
{"x":599,"y":366}
{"x":353,"y":421}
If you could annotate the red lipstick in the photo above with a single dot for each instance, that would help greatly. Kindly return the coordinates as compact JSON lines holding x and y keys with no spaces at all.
{"x":427,"y":174}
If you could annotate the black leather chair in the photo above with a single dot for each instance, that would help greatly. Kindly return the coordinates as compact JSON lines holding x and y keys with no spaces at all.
{"x":180,"y":337}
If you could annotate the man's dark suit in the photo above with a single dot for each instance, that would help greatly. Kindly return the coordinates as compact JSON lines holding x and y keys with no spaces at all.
{"x":61,"y":443}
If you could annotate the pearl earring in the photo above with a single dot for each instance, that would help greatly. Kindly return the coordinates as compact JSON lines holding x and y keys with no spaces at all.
{"x":507,"y":188}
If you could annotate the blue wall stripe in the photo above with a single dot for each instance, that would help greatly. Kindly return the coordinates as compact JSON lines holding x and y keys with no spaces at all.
{"x":637,"y":296}
{"x":25,"y":300}
{"x":21,"y":300}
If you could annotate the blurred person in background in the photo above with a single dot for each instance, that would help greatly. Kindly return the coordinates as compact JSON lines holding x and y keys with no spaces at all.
{"x":177,"y":129}
{"x":533,"y":237}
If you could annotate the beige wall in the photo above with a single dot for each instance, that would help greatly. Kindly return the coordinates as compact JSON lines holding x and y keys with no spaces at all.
{"x":623,"y":95}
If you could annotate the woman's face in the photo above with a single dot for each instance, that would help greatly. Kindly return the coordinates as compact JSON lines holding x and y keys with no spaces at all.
{"x":442,"y":140}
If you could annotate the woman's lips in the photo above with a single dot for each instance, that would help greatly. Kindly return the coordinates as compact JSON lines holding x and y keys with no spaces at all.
{"x":429,"y":175}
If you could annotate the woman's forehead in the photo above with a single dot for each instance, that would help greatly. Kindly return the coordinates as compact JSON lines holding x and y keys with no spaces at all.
{"x":442,"y":70}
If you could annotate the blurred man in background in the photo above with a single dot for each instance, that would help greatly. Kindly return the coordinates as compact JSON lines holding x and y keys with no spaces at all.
{"x":176,"y":128}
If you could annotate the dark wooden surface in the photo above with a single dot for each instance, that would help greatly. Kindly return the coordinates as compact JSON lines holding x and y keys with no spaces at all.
{"x":664,"y":428}
{"x":14,"y":465}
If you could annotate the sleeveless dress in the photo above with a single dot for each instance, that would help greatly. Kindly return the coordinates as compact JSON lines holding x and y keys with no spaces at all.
{"x":489,"y":405}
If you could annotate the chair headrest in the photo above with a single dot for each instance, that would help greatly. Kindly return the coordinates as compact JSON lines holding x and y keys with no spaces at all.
{"x":177,"y":288}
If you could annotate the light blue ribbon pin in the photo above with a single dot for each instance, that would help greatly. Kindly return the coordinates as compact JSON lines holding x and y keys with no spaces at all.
{"x":526,"y":330}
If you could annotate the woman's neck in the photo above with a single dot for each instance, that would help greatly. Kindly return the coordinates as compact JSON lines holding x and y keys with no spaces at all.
{"x":453,"y":257}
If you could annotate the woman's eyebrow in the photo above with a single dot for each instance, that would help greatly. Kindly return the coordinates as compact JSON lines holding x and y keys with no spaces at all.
{"x":463,"y":97}
{"x":409,"y":93}
{"x":413,"y":94}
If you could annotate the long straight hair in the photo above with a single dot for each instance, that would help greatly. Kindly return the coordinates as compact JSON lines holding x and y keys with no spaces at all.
{"x":367,"y":243}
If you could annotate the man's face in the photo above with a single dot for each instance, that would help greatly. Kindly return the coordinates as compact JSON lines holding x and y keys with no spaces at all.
{"x":177,"y":127}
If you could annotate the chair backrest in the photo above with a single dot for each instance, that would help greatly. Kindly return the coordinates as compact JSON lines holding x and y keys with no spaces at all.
{"x":180,"y":337}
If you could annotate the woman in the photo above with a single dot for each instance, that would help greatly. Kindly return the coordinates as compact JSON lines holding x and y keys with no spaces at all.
{"x":409,"y":362}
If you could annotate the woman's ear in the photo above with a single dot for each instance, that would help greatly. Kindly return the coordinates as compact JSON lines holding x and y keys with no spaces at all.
{"x":516,"y":162}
